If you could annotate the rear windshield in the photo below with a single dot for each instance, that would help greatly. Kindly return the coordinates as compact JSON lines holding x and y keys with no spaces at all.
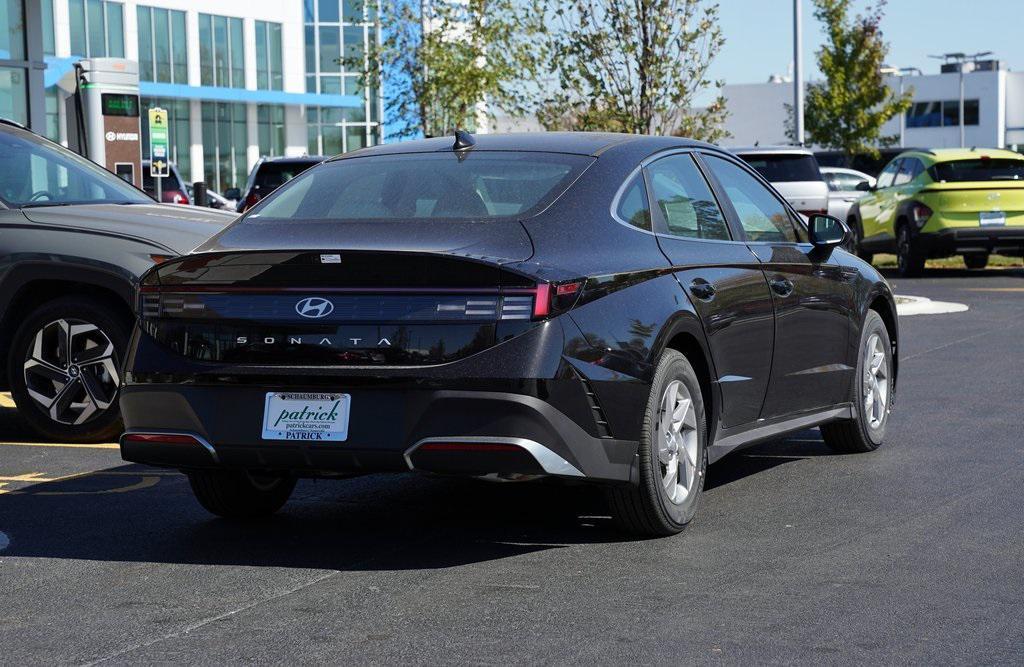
{"x":992,"y":169}
{"x":784,"y":168}
{"x":477,"y":185}
{"x":275,"y":174}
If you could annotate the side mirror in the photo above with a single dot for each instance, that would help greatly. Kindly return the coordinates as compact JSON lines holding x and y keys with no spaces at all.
{"x":232,"y":193}
{"x":827,"y":232}
{"x":863,"y":186}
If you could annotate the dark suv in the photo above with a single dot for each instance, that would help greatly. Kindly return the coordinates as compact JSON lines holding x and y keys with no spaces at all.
{"x":74,"y":240}
{"x":269,"y":174}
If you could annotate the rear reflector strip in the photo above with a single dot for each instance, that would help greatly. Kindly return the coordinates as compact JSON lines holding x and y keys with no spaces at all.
{"x":164,"y":438}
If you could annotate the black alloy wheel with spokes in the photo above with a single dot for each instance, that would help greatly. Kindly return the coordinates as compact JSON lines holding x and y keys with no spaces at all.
{"x":63,"y":369}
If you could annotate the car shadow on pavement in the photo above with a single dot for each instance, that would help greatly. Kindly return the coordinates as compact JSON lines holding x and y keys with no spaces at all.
{"x":134,"y":513}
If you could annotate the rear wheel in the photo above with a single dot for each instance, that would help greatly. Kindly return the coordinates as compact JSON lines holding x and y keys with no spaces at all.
{"x":672,"y":456}
{"x":976,"y":260}
{"x":240,"y":494}
{"x":909,"y":260}
{"x":858,"y":232}
{"x":872,"y":393}
{"x":63,"y":369}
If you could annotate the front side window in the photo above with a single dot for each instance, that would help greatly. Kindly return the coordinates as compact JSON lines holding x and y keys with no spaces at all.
{"x":479,"y":186}
{"x":634,"y":208}
{"x":762,"y":215}
{"x":908,"y":171}
{"x":888,"y":174}
{"x":685,"y":200}
{"x":37,"y":173}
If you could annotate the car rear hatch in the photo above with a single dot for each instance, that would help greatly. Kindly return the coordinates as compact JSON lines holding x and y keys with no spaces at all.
{"x":963,"y":204}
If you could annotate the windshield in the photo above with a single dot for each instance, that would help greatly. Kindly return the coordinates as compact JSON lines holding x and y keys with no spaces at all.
{"x":980,"y":169}
{"x":476,"y":185}
{"x":783,"y":168}
{"x":36,"y":172}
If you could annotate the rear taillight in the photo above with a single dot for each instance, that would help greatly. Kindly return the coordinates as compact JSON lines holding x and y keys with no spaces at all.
{"x":174,"y":197}
{"x":553,"y":298}
{"x":920,"y":214}
{"x":162,"y":438}
{"x":251,"y":200}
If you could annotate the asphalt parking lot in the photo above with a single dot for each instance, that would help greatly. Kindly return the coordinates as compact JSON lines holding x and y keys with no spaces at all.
{"x":911,"y":554}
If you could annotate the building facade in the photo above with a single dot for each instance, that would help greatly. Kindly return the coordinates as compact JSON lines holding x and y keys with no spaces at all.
{"x":993,"y":111}
{"x":240,"y":79}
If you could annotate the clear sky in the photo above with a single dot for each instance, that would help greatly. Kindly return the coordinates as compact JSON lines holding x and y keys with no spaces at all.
{"x":759,"y":34}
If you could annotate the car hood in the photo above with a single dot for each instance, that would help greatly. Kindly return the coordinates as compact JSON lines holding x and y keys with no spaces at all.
{"x":176,"y":228}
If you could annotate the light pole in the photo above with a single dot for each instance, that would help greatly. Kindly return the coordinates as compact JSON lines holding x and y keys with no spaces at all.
{"x":902,"y":72}
{"x":798,"y":78}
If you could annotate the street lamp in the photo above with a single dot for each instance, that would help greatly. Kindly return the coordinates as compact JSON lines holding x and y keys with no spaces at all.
{"x":798,"y":78}
{"x":901,"y":72}
{"x":961,"y":59}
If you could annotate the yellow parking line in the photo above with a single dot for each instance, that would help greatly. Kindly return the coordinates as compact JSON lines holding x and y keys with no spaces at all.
{"x":102,"y":445}
{"x":6,"y":401}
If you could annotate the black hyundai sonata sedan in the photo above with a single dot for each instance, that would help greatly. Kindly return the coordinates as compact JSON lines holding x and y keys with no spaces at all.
{"x":614,"y":309}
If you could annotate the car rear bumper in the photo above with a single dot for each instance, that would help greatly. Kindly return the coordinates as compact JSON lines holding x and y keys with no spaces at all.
{"x":1007,"y":240}
{"x":469,"y":432}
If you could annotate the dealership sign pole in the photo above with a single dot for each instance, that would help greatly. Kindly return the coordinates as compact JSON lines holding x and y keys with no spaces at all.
{"x":158,"y":165}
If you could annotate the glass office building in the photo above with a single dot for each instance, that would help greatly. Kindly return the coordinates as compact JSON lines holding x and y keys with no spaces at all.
{"x":240,"y":79}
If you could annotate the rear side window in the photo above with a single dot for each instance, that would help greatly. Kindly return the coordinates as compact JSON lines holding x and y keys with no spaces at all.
{"x":477,"y":185}
{"x":763,"y":216}
{"x":685,"y":200}
{"x":634,"y":208}
{"x":783,"y":168}
{"x":981,"y":169}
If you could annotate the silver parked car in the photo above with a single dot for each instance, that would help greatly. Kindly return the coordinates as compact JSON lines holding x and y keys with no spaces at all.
{"x":793,"y":172}
{"x":845,"y":187}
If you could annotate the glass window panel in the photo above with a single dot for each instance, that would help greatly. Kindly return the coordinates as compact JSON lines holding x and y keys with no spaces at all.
{"x":356,"y":114}
{"x":220,"y":50}
{"x":310,"y":52}
{"x":310,"y":84}
{"x":179,"y":46}
{"x":161,"y":41}
{"x":276,"y":61}
{"x":262,"y":70}
{"x":332,"y":140}
{"x":144,"y":21}
{"x":352,"y":11}
{"x":307,"y":11}
{"x":951,"y":113}
{"x":330,"y":49}
{"x":352,"y":86}
{"x":353,"y":45}
{"x":313,"y":140}
{"x":97,"y":39}
{"x":763,"y":216}
{"x":76,"y":10}
{"x":205,"y":50}
{"x":328,"y":11}
{"x":355,"y":137}
{"x":971,"y":112}
{"x":685,"y":199}
{"x":48,"y":41}
{"x":634,"y":208}
{"x":52,"y":114}
{"x":115,"y":29}
{"x":13,"y":102}
{"x":330,"y":85}
{"x":12,"y":30}
{"x":237,"y":54}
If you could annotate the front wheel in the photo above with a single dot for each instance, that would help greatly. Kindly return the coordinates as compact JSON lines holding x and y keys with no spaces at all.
{"x":240,"y":494}
{"x":872,"y":393}
{"x":672,"y":456}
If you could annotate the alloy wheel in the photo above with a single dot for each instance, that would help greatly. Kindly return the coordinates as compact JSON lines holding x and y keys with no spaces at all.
{"x":876,"y":381}
{"x":678,"y":442}
{"x":71,"y":371}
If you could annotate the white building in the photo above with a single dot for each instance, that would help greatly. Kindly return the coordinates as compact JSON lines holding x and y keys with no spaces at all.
{"x":240,"y":78}
{"x":993,"y":111}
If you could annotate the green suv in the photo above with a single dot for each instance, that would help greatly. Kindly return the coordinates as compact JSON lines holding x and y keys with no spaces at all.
{"x":943,"y":202}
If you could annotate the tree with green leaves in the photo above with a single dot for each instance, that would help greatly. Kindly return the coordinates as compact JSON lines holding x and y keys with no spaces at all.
{"x":848,"y":109}
{"x":632,"y":66}
{"x":448,"y":61}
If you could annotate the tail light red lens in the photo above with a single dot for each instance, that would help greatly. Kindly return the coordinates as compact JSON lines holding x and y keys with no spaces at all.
{"x":920,"y":213}
{"x":163,"y":438}
{"x":251,"y":200}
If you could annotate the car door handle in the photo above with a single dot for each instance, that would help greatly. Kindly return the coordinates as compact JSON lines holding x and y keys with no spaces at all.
{"x":702,"y":289}
{"x":782,"y":286}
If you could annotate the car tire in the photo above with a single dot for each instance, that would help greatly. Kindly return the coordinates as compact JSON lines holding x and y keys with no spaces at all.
{"x":976,"y":260}
{"x":909,"y":260}
{"x":866,"y":431}
{"x":239,"y":495}
{"x":858,"y":232}
{"x":45,"y":380}
{"x":663,"y":503}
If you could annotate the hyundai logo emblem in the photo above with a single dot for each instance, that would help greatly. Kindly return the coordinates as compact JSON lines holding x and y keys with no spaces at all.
{"x":314,"y":307}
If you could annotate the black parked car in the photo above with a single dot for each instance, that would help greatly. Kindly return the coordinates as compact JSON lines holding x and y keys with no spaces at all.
{"x":74,"y":240}
{"x":611,"y":308}
{"x":269,"y":174}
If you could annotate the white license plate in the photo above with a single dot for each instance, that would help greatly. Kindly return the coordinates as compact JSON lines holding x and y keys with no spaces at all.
{"x":991,"y":218}
{"x":306,"y":416}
